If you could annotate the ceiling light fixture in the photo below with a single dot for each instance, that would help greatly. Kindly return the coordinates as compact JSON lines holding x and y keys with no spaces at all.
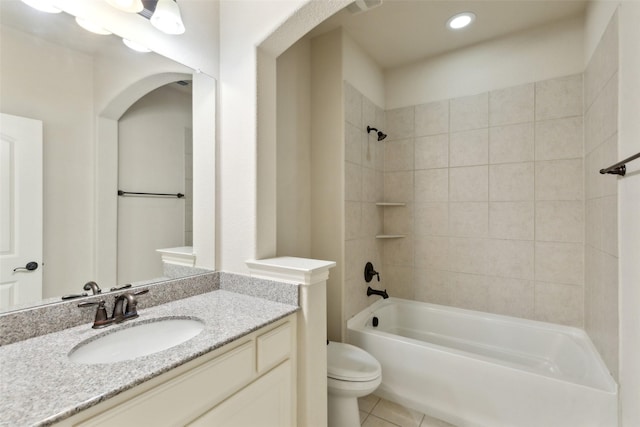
{"x":135,"y":46}
{"x":461,"y":20}
{"x":42,"y":5}
{"x":166,"y":17}
{"x":92,"y":26}
{"x":131,"y":6}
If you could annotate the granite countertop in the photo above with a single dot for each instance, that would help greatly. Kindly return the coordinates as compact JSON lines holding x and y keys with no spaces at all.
{"x":39,"y":385}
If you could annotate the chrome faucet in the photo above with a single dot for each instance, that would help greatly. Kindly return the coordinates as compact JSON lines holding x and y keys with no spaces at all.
{"x":120,"y":313}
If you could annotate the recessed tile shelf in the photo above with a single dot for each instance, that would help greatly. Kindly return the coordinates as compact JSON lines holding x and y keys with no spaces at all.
{"x":390,"y":236}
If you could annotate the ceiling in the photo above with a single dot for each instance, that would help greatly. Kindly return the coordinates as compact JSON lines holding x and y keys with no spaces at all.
{"x":400,"y":32}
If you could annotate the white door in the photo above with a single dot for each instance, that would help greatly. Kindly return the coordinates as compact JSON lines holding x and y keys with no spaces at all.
{"x":20,"y":210}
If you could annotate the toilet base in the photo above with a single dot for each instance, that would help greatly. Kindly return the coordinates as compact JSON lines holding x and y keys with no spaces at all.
{"x":343,"y":411}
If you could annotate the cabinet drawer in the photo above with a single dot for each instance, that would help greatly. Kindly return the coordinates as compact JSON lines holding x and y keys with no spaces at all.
{"x":205,"y":386}
{"x":274,"y":347}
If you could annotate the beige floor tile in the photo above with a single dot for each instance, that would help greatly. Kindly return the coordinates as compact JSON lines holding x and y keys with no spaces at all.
{"x":367,"y":403}
{"x":397,"y":414}
{"x":428,"y":421}
{"x":363,"y":416}
{"x":373,"y":421}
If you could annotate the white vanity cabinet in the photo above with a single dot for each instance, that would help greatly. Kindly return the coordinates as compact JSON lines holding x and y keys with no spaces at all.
{"x":249,"y":382}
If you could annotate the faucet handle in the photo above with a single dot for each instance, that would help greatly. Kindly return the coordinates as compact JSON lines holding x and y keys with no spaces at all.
{"x":116,"y":288}
{"x":93,"y":287}
{"x":101,"y":320}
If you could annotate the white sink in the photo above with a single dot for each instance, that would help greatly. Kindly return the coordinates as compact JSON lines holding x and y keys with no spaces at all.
{"x":136,"y":341}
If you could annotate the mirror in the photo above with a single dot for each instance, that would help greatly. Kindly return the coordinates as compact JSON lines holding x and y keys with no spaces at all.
{"x":76,"y":83}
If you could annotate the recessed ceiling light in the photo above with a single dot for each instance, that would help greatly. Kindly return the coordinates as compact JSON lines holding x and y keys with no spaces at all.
{"x":461,"y":20}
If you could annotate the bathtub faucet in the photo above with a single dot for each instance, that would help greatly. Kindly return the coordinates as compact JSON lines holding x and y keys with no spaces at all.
{"x":371,"y":291}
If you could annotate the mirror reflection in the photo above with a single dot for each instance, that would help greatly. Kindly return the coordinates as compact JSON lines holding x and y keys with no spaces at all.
{"x":54,"y":73}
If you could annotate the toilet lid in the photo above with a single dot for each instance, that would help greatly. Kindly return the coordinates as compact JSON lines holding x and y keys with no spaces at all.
{"x":349,"y":363}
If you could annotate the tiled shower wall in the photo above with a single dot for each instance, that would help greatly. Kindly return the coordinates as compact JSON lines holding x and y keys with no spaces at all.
{"x":601,"y":191}
{"x":494,"y":215}
{"x":364,"y":165}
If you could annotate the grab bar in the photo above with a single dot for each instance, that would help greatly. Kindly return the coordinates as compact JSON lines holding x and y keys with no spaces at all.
{"x":619,"y":168}
{"x":124,"y":193}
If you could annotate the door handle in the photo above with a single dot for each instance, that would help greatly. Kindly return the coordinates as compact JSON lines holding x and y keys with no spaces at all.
{"x":29,"y":267}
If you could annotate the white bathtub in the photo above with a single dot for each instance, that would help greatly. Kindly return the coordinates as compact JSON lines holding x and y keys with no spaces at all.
{"x":479,"y":369}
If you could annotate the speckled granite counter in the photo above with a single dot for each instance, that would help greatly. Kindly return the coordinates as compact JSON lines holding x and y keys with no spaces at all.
{"x":39,"y":385}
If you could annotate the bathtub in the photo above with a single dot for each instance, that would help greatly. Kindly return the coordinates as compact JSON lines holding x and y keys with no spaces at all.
{"x":479,"y":369}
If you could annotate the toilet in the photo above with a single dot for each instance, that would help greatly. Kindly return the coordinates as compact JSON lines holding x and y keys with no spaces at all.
{"x":351,"y":373}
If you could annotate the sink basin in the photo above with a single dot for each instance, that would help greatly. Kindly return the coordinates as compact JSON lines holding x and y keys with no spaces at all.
{"x":139,"y":340}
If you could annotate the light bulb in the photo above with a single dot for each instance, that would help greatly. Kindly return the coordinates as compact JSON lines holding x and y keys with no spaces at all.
{"x":131,"y":6}
{"x":461,"y":20}
{"x":42,"y":5}
{"x":166,"y":17}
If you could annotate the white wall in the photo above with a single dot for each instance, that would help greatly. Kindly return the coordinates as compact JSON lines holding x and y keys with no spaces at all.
{"x":294,"y":151}
{"x":244,"y":25}
{"x":534,"y":55}
{"x":362,"y":72}
{"x":629,"y":212}
{"x":151,"y":139}
{"x":62,"y":97}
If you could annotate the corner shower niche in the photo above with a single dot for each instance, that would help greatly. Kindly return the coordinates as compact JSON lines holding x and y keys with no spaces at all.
{"x":386,"y":235}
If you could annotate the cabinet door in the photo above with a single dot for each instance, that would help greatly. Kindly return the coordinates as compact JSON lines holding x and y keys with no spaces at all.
{"x":267,"y":402}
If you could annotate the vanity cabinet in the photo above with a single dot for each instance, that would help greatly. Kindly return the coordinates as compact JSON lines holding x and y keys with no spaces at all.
{"x":248,"y":382}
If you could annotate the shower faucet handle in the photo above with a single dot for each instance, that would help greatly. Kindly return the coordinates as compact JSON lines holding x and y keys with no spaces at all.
{"x":369,"y":272}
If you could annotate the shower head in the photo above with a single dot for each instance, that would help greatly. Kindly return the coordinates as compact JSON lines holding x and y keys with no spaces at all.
{"x":381,"y":135}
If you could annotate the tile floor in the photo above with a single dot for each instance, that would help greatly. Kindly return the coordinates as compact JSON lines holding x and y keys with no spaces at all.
{"x":377,"y":412}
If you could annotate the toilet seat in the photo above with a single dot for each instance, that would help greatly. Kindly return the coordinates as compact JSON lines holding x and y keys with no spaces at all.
{"x":346,"y":362}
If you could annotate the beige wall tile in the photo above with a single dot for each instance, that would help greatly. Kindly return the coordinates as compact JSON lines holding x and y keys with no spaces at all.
{"x":399,"y":123}
{"x":398,"y":155}
{"x":469,"y":291}
{"x":432,"y":118}
{"x":371,"y":185}
{"x":432,"y":152}
{"x":610,"y":225}
{"x":431,"y":252}
{"x":559,"y":139}
{"x":431,"y":219}
{"x":560,"y":97}
{"x":353,"y":182}
{"x":510,"y":258}
{"x":511,"y":143}
{"x":511,"y":220}
{"x":601,"y":119}
{"x":558,"y":303}
{"x":372,"y":152}
{"x":432,"y":286}
{"x":397,"y":280}
{"x":559,"y":180}
{"x":468,"y":184}
{"x":398,"y":220}
{"x":469,"y":148}
{"x":560,"y":262}
{"x":352,"y":105}
{"x":511,"y":182}
{"x":511,"y":105}
{"x":593,"y":223}
{"x":469,"y":219}
{"x":560,"y":221}
{"x":398,"y":186}
{"x":353,"y":144}
{"x":468,"y":255}
{"x":372,"y":218}
{"x":469,"y":112}
{"x":511,"y":297}
{"x":432,"y":185}
{"x":398,"y":251}
{"x":352,"y":220}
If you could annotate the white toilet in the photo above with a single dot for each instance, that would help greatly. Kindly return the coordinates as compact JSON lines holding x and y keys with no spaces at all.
{"x":351,"y":373}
